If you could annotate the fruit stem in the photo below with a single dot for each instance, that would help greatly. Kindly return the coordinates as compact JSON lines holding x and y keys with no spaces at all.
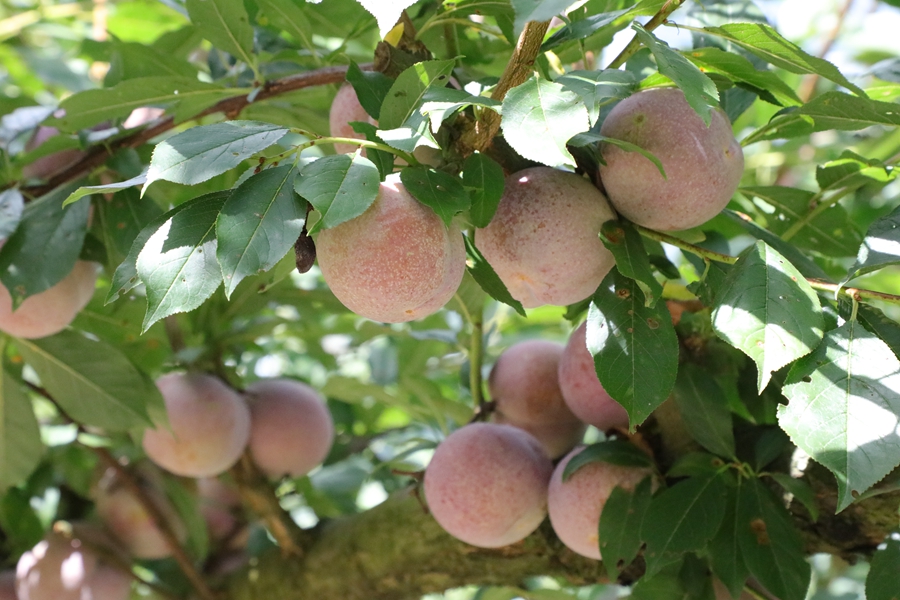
{"x":476,"y":357}
{"x":635,"y":44}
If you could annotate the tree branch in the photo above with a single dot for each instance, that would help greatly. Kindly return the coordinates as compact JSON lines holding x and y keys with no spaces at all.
{"x":635,"y":44}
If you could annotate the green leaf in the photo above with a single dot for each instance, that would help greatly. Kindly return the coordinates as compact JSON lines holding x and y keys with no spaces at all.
{"x":664,"y":585}
{"x":879,"y":324}
{"x":340,"y":187}
{"x":882,"y":582}
{"x":725,"y":555}
{"x":258,"y":224}
{"x":11,"y":206}
{"x":483,"y":273}
{"x":738,"y":68}
{"x":20,"y":437}
{"x":484,"y":180}
{"x":92,"y":381}
{"x":771,"y":547}
{"x":800,"y":490}
{"x":789,"y":251}
{"x":109,"y":188}
{"x":617,"y":452}
{"x":371,"y":88}
{"x":852,"y":170}
{"x":132,"y":60}
{"x":699,"y":90}
{"x":880,"y":248}
{"x":440,"y":191}
{"x":634,"y":347}
{"x":704,"y":410}
{"x":226,"y":24}
{"x":831,"y":233}
{"x":187,"y":505}
{"x":126,"y":277}
{"x":178,"y":262}
{"x":120,"y":220}
{"x":589,"y":137}
{"x":408,"y":92}
{"x":201,"y":153}
{"x":632,"y":261}
{"x":441,"y":103}
{"x":620,"y":526}
{"x":86,"y":109}
{"x":598,"y":88}
{"x":578,"y":30}
{"x":844,"y":399}
{"x":386,"y":13}
{"x":836,"y":110}
{"x":539,"y":117}
{"x":767,"y":310}
{"x":45,"y":246}
{"x":290,"y":17}
{"x":766,"y":43}
{"x":682,"y":519}
{"x":536,"y":10}
{"x":21,"y":525}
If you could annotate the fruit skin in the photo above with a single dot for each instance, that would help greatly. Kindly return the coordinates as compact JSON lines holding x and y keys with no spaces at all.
{"x":210,"y":426}
{"x":703,"y":165}
{"x":394,"y":263}
{"x":581,"y":387}
{"x":525,"y":389}
{"x":291,"y":430}
{"x":219,"y":503}
{"x":543,"y":241}
{"x":52,"y":310}
{"x":64,"y":567}
{"x":575,"y":505}
{"x":8,"y":585}
{"x":487,"y":484}
{"x":346,"y":108}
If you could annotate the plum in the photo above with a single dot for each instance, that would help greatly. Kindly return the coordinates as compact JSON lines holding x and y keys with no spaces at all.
{"x":345,"y":108}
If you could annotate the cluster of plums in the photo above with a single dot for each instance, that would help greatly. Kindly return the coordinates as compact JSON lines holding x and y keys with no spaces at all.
{"x":284,"y":424}
{"x":398,"y":262}
{"x":491,"y":484}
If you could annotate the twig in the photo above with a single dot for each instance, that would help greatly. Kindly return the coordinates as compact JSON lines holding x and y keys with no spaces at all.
{"x":817,"y":284}
{"x":131,"y":484}
{"x":518,"y":70}
{"x":230,"y":106}
{"x":475,"y":359}
{"x":635,"y":44}
{"x":809,"y":83}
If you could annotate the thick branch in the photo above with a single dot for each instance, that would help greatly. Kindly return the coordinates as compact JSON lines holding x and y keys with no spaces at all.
{"x":232,"y":107}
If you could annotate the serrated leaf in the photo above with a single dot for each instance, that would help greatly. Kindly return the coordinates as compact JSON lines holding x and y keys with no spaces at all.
{"x":20,"y":437}
{"x":853,"y":170}
{"x":86,"y":109}
{"x":442,"y":192}
{"x":258,"y":224}
{"x":386,"y":12}
{"x":699,"y":90}
{"x":620,"y":526}
{"x":767,"y":310}
{"x":578,"y":30}
{"x":597,"y":88}
{"x":879,"y":324}
{"x":634,"y":347}
{"x":201,"y":153}
{"x":484,"y":180}
{"x":126,"y":277}
{"x":682,"y":519}
{"x":738,"y":68}
{"x":789,"y":251}
{"x":408,"y":92}
{"x":340,"y":187}
{"x":880,"y":248}
{"x":371,"y":88}
{"x":882,"y":582}
{"x":632,"y":261}
{"x":800,"y":490}
{"x":538,"y":119}
{"x":440,"y":103}
{"x":290,"y":17}
{"x":766,"y":43}
{"x":831,"y":233}
{"x":45,"y":245}
{"x":483,"y":273}
{"x":771,"y":547}
{"x":617,"y":452}
{"x":837,"y":110}
{"x":226,"y":24}
{"x":92,"y":381}
{"x":844,"y":399}
{"x":726,"y":559}
{"x":109,"y":188}
{"x":536,"y":10}
{"x":704,"y":410}
{"x":11,"y":206}
{"x":178,"y":263}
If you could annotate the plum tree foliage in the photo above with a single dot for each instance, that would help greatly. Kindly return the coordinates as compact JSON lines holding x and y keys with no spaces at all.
{"x":382,"y":258}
